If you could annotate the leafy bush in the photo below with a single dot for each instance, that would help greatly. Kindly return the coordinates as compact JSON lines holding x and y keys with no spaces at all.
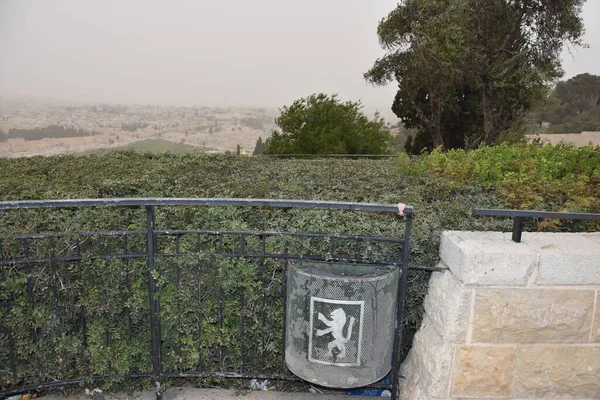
{"x":442,"y":187}
{"x":321,"y":124}
{"x":548,"y":177}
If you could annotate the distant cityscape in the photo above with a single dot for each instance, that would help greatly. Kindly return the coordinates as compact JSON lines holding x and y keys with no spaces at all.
{"x":28,"y":127}
{"x":106,"y":126}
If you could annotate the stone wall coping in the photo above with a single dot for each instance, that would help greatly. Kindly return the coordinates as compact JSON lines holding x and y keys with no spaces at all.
{"x":544,"y":259}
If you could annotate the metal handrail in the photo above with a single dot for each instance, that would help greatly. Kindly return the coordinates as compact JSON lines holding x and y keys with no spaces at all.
{"x":152,"y":253}
{"x":154,"y":201}
{"x":520,"y":215}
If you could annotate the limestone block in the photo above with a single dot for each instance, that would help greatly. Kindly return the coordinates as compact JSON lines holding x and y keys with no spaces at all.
{"x":592,"y":236}
{"x":432,"y":360}
{"x":483,"y":371}
{"x":532,"y":316}
{"x":558,"y":372}
{"x":448,"y":305}
{"x":596,"y":325}
{"x":410,"y":386}
{"x":487,"y":258}
{"x":566,"y":258}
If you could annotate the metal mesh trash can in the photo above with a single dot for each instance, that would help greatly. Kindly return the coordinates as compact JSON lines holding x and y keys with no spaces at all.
{"x":340,"y":322}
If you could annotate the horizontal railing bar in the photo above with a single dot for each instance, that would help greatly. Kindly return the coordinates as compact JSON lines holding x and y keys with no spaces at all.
{"x":277,"y":256}
{"x":229,"y":375}
{"x":534,"y":214}
{"x":75,"y":234}
{"x":204,"y":232}
{"x":426,"y":268}
{"x":283,"y":256}
{"x":20,"y":261}
{"x":128,"y":202}
{"x":332,"y":155}
{"x":280,"y":234}
{"x":250,"y":376}
{"x":68,"y":382}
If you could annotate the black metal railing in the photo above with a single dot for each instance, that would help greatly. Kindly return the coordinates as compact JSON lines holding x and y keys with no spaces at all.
{"x":519,"y":216}
{"x":188,"y":277}
{"x":300,"y":155}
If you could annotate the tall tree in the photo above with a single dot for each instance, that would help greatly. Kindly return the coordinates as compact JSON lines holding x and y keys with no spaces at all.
{"x":321,"y":124}
{"x":516,"y":46}
{"x":580,"y":93}
{"x":503,"y":51}
{"x":424,"y":55}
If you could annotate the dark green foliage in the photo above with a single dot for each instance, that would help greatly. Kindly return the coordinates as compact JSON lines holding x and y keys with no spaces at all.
{"x":321,"y":124}
{"x":578,"y":94}
{"x":52,"y":131}
{"x":477,"y":63}
{"x":259,"y":148}
{"x":408,"y":145}
{"x":195,"y":289}
{"x":127,"y":174}
{"x":573,"y":106}
{"x":586,"y":121}
{"x":550,"y":177}
{"x":133,"y":126}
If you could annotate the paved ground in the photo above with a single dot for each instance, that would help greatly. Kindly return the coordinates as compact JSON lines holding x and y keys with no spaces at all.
{"x":177,"y":393}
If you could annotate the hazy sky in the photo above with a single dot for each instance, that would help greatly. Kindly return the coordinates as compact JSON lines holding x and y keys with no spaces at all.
{"x":206,"y":52}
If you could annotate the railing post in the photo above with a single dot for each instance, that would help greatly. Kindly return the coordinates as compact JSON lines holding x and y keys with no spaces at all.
{"x":154,"y":303}
{"x":517,"y":229}
{"x":400,"y":309}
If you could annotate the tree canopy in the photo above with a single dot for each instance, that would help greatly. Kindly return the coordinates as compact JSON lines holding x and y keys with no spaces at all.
{"x":322,"y":124}
{"x":468,"y":70}
{"x":572,"y":105}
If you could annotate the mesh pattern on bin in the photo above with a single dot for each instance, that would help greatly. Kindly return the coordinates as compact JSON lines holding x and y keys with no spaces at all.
{"x":346,"y":328}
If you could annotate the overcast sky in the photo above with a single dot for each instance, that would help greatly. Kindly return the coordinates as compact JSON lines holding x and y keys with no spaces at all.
{"x":206,"y":52}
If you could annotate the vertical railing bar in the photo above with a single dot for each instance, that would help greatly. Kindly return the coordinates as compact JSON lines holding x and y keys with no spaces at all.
{"x":177,"y":285}
{"x":198,"y":247}
{"x":242,"y":310}
{"x":517,"y":229}
{"x":332,"y":244}
{"x":177,"y":236}
{"x":29,"y":283}
{"x":11,"y":342}
{"x":400,"y":310}
{"x":243,"y":244}
{"x":356,"y":247}
{"x":263,"y":316}
{"x":82,"y":294}
{"x":199,"y":308}
{"x":105,"y":312}
{"x":154,"y":304}
{"x":284,"y":302}
{"x":127,"y":283}
{"x":221,"y":350}
{"x":54,"y":285}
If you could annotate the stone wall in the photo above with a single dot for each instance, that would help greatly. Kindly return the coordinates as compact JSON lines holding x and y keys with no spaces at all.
{"x":510,"y":320}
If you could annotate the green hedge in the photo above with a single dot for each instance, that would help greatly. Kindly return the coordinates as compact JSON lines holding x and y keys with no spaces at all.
{"x":443,"y":188}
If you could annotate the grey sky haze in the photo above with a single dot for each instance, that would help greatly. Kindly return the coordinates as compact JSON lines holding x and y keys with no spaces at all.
{"x":218,"y":52}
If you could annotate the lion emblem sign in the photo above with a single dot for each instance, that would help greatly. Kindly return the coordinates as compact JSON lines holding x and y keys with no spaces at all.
{"x":336,"y":328}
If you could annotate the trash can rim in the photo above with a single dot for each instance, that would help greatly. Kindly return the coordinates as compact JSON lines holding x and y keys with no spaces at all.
{"x":320,"y":269}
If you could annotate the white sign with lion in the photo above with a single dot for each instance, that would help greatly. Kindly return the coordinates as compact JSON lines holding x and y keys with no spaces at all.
{"x":335,"y":331}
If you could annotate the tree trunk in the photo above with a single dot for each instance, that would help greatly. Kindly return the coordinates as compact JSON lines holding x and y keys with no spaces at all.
{"x":436,"y":120}
{"x":488,"y":114}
